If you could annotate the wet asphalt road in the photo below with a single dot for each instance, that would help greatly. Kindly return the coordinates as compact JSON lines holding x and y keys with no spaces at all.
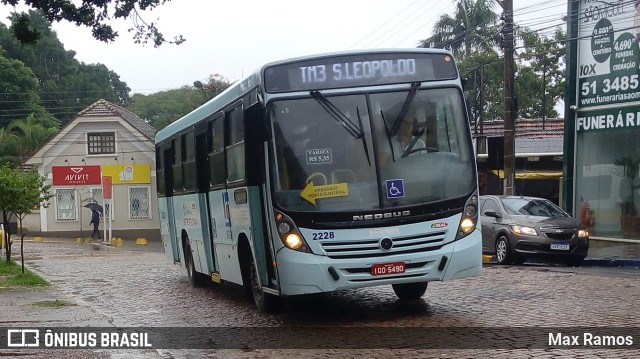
{"x":137,"y":286}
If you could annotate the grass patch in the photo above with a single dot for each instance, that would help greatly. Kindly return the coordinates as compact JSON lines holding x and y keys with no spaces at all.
{"x":52,"y":303}
{"x":11,"y":276}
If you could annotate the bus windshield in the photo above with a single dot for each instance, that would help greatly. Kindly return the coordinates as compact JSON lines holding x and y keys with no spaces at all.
{"x":371,"y":151}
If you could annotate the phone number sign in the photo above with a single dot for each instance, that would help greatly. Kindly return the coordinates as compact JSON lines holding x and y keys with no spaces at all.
{"x":608,"y":55}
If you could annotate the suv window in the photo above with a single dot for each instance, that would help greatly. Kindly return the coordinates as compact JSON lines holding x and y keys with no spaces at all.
{"x":490,"y":204}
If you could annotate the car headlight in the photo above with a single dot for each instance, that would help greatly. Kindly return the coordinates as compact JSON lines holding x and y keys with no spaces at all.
{"x":583,"y":233}
{"x":524,"y":230}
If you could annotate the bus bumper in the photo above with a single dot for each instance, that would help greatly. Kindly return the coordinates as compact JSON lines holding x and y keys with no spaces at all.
{"x":304,"y":273}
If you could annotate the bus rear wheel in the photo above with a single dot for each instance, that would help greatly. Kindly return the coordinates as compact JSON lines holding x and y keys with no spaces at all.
{"x":409,"y":291}
{"x":266,"y":302}
{"x":197,"y":279}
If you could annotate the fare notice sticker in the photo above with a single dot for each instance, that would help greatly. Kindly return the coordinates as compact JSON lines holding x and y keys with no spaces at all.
{"x":311,"y":192}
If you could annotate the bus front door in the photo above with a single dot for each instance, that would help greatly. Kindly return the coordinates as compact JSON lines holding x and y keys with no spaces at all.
{"x":202,"y":162}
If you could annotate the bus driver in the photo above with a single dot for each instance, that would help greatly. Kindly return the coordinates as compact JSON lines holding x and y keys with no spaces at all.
{"x":405,"y":140}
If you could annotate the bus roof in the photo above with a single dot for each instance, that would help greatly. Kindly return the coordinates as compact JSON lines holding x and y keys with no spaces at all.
{"x":240,"y":88}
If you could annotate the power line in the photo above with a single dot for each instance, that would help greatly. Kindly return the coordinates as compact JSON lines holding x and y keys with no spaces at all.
{"x":381,"y":26}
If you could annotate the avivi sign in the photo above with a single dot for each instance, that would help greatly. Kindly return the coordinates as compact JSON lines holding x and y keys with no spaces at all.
{"x":76,"y":175}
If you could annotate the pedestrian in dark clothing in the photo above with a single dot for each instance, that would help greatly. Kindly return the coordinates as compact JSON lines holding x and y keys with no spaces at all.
{"x":95,"y":220}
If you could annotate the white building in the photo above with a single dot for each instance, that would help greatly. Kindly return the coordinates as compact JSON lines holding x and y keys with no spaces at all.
{"x":105,"y":142}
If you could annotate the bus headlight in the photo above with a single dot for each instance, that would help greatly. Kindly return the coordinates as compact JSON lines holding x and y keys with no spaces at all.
{"x":467,"y":225}
{"x":469,"y":218}
{"x":289,"y":234}
{"x":293,"y":241}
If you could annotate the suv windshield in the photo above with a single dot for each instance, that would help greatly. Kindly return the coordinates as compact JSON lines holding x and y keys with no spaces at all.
{"x":354,"y":152}
{"x":532,"y":207}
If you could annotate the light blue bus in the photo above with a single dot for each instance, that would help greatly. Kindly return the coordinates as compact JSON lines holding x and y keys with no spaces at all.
{"x":324,"y":173}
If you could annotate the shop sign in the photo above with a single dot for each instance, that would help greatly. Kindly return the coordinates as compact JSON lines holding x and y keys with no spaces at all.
{"x":133,"y":173}
{"x":76,"y":175}
{"x":610,"y":119}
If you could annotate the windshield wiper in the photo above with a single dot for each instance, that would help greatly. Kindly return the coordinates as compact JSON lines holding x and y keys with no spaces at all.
{"x":364,"y":141}
{"x":340,"y":117}
{"x":405,"y":107}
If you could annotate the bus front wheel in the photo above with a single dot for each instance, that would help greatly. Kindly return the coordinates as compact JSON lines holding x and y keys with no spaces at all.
{"x":265,"y":302}
{"x":409,"y":291}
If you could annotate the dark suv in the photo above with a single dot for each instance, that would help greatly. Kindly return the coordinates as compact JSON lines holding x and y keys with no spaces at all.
{"x":515,"y":228}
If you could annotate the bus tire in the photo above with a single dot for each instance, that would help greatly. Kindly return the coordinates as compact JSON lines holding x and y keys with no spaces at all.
{"x":197,"y":279}
{"x":408,"y":291}
{"x":266,"y":302}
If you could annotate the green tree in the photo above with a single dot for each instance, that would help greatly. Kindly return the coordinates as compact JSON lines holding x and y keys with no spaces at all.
{"x":484,"y":73}
{"x":18,"y":91}
{"x":162,"y":108}
{"x":65,"y":85}
{"x":20,"y":193}
{"x":94,"y":14}
{"x":540,"y":77}
{"x":472,"y":28}
{"x":8,"y":148}
{"x":30,"y":134}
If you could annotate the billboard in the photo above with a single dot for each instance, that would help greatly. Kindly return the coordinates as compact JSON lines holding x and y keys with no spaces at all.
{"x":608,"y":53}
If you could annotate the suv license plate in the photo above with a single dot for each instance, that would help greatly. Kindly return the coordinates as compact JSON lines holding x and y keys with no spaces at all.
{"x":388,"y":268}
{"x":560,"y":246}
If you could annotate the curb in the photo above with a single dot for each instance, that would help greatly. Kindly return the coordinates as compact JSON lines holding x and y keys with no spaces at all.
{"x":592,"y":262}
{"x":588,"y":262}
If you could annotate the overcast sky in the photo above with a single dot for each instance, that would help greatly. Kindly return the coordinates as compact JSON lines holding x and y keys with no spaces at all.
{"x":235,"y":37}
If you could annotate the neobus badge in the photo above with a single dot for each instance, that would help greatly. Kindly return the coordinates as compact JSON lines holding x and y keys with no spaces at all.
{"x":364,"y":217}
{"x":439,"y":225}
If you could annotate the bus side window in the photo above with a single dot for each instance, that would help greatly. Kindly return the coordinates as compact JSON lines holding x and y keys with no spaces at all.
{"x":235,"y":148}
{"x":177,"y":165}
{"x":216,"y":157}
{"x":160,"y":180}
{"x":189,"y":161}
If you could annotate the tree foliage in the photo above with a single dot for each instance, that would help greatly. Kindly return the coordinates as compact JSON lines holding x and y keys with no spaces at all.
{"x":94,"y":14}
{"x":65,"y":85}
{"x":472,"y":28}
{"x":473,"y":36}
{"x":20,"y":193}
{"x":162,"y":108}
{"x":18,"y":90}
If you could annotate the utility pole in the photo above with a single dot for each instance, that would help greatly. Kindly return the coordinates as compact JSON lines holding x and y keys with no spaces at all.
{"x":509,"y":116}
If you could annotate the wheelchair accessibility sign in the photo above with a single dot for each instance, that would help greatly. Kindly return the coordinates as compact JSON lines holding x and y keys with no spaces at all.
{"x":395,"y":188}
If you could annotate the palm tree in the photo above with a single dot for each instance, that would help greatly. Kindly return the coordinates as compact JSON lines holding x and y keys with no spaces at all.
{"x":472,"y":28}
{"x":30,"y":134}
{"x":8,"y":147}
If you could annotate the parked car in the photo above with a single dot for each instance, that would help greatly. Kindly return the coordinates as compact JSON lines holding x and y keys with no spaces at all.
{"x":515,"y":228}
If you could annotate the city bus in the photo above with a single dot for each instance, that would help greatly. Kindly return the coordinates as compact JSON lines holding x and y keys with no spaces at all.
{"x":324,"y":173}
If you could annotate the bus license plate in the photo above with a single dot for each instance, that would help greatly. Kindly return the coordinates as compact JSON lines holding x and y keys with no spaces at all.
{"x":388,"y":268}
{"x":560,"y":246}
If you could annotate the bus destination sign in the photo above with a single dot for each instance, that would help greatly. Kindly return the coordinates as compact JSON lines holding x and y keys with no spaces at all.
{"x":358,"y":70}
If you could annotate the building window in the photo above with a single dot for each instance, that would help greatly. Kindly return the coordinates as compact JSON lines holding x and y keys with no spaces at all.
{"x":96,"y":196}
{"x":66,"y":209}
{"x":101,"y":143}
{"x":139,"y":207}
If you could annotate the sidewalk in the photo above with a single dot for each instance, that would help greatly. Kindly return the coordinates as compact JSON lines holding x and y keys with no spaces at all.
{"x":613,"y":253}
{"x":604,"y":252}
